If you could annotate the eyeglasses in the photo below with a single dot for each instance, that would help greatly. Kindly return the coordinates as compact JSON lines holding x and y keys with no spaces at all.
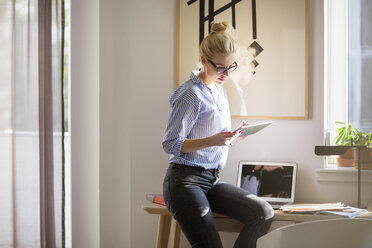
{"x":221,"y":70}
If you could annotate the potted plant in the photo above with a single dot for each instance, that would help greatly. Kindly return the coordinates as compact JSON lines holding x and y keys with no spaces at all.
{"x":345,"y":137}
{"x":350,"y":136}
{"x":364,"y":141}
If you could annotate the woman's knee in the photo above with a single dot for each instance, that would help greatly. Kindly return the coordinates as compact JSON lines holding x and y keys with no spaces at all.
{"x":263,"y":209}
{"x":267,"y":211}
{"x":257,"y":211}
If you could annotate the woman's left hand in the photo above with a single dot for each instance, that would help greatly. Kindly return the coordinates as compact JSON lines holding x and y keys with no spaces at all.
{"x":242,"y":124}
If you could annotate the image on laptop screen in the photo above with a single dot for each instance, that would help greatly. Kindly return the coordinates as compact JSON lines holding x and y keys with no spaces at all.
{"x":274,"y":182}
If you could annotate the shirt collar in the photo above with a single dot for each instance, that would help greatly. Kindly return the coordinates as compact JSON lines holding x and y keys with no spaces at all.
{"x":194,"y":77}
{"x":197,"y":80}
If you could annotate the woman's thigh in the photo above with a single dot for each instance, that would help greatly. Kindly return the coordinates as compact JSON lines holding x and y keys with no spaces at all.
{"x":185,"y":195}
{"x":232,"y":201}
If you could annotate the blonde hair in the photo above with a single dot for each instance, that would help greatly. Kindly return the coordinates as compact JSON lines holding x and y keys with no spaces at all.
{"x":219,"y":41}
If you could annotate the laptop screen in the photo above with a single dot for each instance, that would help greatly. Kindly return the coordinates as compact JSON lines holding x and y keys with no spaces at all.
{"x":268,"y":180}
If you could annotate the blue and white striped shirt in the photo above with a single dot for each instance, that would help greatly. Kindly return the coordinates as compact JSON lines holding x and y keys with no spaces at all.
{"x":196,"y":114}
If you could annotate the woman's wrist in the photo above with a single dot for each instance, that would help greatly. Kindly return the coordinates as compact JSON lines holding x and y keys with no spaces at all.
{"x":208,"y":141}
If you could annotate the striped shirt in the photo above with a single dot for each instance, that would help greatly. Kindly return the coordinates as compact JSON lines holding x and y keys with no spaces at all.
{"x":196,"y":114}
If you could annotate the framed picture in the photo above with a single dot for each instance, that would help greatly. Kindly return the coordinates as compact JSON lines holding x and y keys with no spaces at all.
{"x":271,"y":81}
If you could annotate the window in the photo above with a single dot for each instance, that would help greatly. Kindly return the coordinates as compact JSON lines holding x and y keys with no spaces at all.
{"x":20,"y":123}
{"x":360,"y":64}
{"x":348,"y":62}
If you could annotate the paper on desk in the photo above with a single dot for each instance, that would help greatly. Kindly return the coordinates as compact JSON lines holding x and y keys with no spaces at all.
{"x":303,"y":208}
{"x":350,"y":213}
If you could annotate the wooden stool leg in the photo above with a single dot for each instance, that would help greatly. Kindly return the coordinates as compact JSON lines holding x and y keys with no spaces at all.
{"x":163,"y":231}
{"x":176,"y":234}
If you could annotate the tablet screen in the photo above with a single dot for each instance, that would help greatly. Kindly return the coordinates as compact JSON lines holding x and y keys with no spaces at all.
{"x":254,"y":128}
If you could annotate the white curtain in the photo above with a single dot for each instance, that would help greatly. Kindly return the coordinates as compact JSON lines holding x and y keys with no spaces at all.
{"x":31,"y":155}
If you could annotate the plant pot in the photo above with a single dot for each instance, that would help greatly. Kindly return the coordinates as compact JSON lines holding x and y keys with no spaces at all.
{"x":365,"y":158}
{"x":346,"y":159}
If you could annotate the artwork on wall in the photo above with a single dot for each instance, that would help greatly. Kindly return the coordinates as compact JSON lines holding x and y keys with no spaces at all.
{"x":271,"y":81}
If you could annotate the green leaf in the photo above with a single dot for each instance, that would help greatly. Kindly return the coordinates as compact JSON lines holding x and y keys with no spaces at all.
{"x":341,"y":128}
{"x":338,"y":139}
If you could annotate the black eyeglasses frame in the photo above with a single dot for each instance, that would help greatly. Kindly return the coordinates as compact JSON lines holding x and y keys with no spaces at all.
{"x":222,"y":70}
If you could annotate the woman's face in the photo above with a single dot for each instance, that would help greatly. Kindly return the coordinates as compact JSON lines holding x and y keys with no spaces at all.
{"x":217,"y":69}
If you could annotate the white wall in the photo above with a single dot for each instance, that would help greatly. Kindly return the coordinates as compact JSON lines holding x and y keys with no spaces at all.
{"x":100,"y":100}
{"x":85,"y":123}
{"x":123,"y":73}
{"x":115,"y":182}
{"x":152,"y":77}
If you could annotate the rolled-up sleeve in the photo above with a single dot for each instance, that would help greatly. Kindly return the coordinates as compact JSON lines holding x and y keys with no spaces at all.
{"x":184,"y":114}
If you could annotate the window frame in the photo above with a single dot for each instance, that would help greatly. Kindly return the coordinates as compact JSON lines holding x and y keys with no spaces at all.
{"x":336,"y":61}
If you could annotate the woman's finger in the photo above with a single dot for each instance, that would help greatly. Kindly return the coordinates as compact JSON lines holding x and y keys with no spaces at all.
{"x":245,"y":123}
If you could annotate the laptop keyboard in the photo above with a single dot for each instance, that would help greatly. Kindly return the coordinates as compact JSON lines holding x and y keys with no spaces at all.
{"x":277,"y":205}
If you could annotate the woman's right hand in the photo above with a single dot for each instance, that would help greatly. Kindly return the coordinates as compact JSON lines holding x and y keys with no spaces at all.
{"x":225,"y":138}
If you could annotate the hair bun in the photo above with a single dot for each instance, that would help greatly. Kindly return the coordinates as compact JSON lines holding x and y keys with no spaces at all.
{"x":219,"y":27}
{"x":219,"y":41}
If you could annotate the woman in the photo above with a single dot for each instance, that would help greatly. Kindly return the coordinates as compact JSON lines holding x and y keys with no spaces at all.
{"x":197,"y":136}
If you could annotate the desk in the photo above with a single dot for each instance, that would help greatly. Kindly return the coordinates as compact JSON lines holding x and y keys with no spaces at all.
{"x":169,"y":229}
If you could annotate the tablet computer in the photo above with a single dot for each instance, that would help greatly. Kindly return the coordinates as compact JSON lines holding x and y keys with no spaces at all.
{"x":254,"y":128}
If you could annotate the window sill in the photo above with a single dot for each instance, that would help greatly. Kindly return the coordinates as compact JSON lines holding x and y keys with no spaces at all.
{"x":346,"y":174}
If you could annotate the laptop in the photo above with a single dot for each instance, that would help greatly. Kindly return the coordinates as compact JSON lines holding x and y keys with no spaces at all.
{"x":274,"y":182}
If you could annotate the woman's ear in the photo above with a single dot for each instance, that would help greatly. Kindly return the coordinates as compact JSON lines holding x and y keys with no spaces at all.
{"x":203,"y":60}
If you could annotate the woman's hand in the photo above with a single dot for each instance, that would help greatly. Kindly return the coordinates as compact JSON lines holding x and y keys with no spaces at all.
{"x":225,"y":138}
{"x":242,"y":124}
